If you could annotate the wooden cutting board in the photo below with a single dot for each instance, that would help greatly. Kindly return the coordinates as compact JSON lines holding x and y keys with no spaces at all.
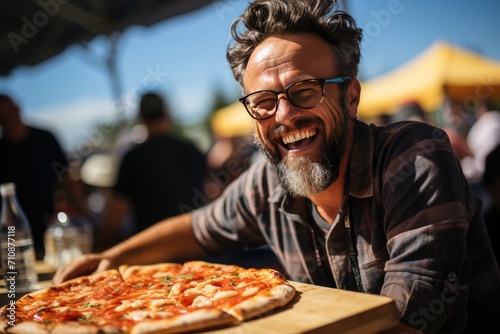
{"x":317,"y":309}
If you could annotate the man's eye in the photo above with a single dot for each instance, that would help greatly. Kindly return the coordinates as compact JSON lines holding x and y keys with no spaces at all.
{"x":265,"y":103}
{"x":304,"y":95}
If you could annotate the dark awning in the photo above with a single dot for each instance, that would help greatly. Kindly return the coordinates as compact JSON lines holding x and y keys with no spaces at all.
{"x":34,"y":31}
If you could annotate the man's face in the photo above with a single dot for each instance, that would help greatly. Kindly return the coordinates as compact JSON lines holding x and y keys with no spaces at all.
{"x":306,"y":145}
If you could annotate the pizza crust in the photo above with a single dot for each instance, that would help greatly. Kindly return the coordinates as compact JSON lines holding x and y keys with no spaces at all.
{"x":200,"y":319}
{"x":29,"y":327}
{"x":34,"y":327}
{"x":260,"y":304}
{"x":81,"y":328}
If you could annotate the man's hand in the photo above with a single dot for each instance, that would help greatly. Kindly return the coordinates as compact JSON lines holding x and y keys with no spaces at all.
{"x":83,"y":265}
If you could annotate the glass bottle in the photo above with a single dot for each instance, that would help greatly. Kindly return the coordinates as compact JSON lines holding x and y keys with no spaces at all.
{"x":62,"y":241}
{"x":16,"y":244}
{"x":85,"y":232}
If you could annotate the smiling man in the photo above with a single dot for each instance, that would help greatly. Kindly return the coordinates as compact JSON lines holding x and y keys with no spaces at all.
{"x":305,"y":147}
{"x":381,"y":210}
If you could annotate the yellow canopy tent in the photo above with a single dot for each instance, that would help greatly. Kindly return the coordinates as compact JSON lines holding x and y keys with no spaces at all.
{"x":440,"y":71}
{"x":232,"y":121}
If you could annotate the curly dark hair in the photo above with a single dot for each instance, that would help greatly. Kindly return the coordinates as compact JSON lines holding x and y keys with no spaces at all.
{"x":265,"y":18}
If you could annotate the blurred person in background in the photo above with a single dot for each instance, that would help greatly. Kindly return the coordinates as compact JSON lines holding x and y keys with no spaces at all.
{"x":156,"y":179}
{"x":233,"y":149}
{"x":459,"y":143}
{"x":33,"y":159}
{"x":482,"y":138}
{"x":491,"y":182}
{"x":383,"y":119}
{"x":409,"y":111}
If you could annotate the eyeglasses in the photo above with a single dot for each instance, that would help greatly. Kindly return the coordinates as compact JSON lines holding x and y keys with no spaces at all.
{"x":304,"y":94}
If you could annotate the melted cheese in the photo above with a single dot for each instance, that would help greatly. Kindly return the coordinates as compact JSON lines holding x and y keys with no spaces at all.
{"x":250,"y":291}
{"x":138,"y":315}
{"x":137,"y":304}
{"x":202,"y":301}
{"x":225,"y":294}
{"x":122,"y":307}
{"x":176,"y":290}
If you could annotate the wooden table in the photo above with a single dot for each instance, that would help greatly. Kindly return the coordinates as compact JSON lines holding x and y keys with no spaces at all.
{"x":314,"y":310}
{"x":318,"y":310}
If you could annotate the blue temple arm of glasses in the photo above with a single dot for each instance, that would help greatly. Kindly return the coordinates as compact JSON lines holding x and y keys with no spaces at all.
{"x":337,"y":80}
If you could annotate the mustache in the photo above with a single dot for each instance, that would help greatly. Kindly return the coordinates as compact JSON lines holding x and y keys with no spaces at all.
{"x":277,"y":132}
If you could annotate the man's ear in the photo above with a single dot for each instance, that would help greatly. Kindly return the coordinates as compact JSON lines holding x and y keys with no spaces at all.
{"x":353,"y":94}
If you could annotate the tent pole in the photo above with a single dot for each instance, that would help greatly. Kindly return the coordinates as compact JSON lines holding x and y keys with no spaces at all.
{"x":116,"y":84}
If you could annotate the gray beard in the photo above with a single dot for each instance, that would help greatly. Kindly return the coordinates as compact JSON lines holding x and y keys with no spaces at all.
{"x":302,"y":177}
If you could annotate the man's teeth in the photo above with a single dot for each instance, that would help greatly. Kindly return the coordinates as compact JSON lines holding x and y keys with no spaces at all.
{"x":298,"y":136}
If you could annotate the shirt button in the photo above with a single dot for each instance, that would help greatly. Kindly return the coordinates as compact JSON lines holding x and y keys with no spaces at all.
{"x":452,"y":276}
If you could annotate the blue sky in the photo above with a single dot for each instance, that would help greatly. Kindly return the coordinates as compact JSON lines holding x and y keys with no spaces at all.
{"x":184,"y":58}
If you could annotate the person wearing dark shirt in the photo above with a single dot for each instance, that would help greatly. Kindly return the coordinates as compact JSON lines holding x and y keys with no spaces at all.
{"x":33,"y":159}
{"x":491,"y":181}
{"x":157,"y":179}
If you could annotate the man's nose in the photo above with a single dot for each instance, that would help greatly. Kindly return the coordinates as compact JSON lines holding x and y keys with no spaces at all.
{"x":285,"y":111}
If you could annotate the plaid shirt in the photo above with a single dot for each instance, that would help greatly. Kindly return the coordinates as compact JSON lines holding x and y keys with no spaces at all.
{"x":417,"y":230}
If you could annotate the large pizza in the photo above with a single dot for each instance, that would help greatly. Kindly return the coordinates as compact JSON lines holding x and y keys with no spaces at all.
{"x":161,"y":298}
